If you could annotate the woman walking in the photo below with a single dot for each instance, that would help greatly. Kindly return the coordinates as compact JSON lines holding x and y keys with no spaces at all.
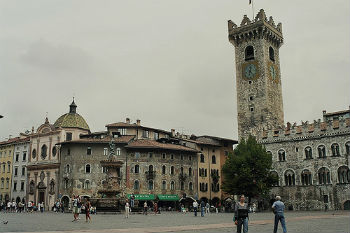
{"x":241,"y":215}
{"x":87,"y":211}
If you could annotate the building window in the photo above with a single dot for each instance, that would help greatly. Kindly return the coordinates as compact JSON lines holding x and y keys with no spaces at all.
{"x":156,"y":135}
{"x":3,"y":167}
{"x":137,"y":169}
{"x":343,"y":175}
{"x":306,"y":178}
{"x":289,"y":178}
{"x":118,"y":151}
{"x":137,"y":155}
{"x":22,"y":185}
{"x":335,"y":149}
{"x":321,"y":151}
{"x":324,"y":176}
{"x":251,"y":109}
{"x":171,"y":156}
{"x":2,"y":182}
{"x":15,"y":186}
{"x":122,"y":131}
{"x":88,"y":151}
{"x":136,"y":185}
{"x":190,"y":171}
{"x":190,"y":157}
{"x":150,"y":155}
{"x":150,"y":185}
{"x":213,"y":159}
{"x":163,"y":185}
{"x":8,"y":167}
{"x":181,"y":157}
{"x":68,"y":151}
{"x":87,"y":168}
{"x":190,"y":186}
{"x":145,"y":134}
{"x":163,"y":169}
{"x":172,"y":185}
{"x":172,"y":170}
{"x":281,"y":155}
{"x":251,"y":98}
{"x":105,"y":151}
{"x":67,"y":168}
{"x":17,"y":157}
{"x":150,"y":168}
{"x":308,"y":152}
{"x":202,"y":158}
{"x":164,"y":156}
{"x":43,"y":151}
{"x":182,"y":185}
{"x":347,"y":148}
{"x":16,"y":171}
{"x":275,"y":175}
{"x":66,"y":183}
{"x":68,"y":136}
{"x":23,"y":171}
{"x":249,"y":53}
{"x":54,"y":151}
{"x":272,"y":54}
{"x":87,"y":184}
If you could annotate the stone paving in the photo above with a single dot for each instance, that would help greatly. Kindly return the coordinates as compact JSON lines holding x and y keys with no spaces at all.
{"x":308,"y":222}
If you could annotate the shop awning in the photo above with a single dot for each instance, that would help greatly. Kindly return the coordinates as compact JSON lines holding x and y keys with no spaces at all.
{"x":142,"y":197}
{"x":168,"y":197}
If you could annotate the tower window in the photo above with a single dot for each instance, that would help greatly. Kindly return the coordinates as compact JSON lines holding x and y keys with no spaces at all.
{"x":250,"y":82}
{"x":251,"y":98}
{"x":272,"y":54}
{"x":249,"y":53}
{"x":251,"y":109}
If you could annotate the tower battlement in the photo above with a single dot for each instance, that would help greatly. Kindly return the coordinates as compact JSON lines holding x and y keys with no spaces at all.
{"x":305,"y":131}
{"x":260,"y":27}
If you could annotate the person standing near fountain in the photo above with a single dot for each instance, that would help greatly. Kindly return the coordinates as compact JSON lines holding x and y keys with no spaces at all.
{"x":127,"y":209}
{"x":87,"y":211}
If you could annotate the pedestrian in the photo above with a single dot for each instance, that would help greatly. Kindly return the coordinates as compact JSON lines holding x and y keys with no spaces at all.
{"x":145,"y":207}
{"x":87,"y":211}
{"x":241,"y":215}
{"x":9,"y":206}
{"x":127,"y":209}
{"x":202,"y":208}
{"x":207,"y":208}
{"x":195,"y":207}
{"x":14,"y":206}
{"x":278,"y":210}
{"x":75,"y":207}
{"x":155,"y":207}
{"x":132,"y":200}
{"x":79,"y":206}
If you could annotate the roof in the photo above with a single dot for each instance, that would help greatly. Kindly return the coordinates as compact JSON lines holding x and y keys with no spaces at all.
{"x":219,"y":138}
{"x":14,"y":140}
{"x":121,"y":139}
{"x":145,"y":144}
{"x":336,"y":113}
{"x":134,"y":125}
{"x":71,"y":120}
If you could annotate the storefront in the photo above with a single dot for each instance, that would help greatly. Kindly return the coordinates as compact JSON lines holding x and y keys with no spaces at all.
{"x":168,"y":202}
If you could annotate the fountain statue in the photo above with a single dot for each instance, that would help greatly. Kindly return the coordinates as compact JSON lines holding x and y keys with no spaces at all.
{"x":110,"y":193}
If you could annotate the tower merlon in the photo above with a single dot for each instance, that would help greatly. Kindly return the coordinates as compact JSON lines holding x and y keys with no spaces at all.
{"x":260,"y":27}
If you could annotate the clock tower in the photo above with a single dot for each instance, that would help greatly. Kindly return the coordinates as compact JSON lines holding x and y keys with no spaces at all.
{"x":258,"y":76}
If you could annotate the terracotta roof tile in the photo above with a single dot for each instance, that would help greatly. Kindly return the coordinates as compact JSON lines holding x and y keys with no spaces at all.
{"x":311,"y":128}
{"x":335,"y":124}
{"x":299,"y":130}
{"x":323,"y":126}
{"x":144,"y":143}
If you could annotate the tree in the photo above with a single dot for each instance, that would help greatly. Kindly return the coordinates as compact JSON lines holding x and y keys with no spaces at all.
{"x":248,"y":170}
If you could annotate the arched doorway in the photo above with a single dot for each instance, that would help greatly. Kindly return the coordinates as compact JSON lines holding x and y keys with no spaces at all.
{"x":215,"y":201}
{"x":65,"y":202}
{"x":347,"y":205}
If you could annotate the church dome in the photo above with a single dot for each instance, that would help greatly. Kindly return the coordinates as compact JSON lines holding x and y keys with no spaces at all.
{"x":71,"y":119}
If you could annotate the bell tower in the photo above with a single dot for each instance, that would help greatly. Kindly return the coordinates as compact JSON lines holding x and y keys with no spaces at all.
{"x":258,"y":76}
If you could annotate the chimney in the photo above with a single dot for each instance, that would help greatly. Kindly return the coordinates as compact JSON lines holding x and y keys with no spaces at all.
{"x":138,"y":122}
{"x":173,"y":132}
{"x":324,"y":112}
{"x":127,"y":120}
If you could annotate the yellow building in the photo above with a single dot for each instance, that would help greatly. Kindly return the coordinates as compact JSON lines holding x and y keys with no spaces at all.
{"x":6,"y":159}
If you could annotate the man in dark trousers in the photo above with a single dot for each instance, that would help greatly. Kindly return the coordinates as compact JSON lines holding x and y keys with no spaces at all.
{"x":202,"y":208}
{"x":278,"y":210}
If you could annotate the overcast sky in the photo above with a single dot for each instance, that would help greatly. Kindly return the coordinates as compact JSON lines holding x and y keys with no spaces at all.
{"x":166,"y":62}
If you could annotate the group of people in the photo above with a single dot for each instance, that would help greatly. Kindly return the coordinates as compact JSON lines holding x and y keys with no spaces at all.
{"x":81,"y":206}
{"x":204,"y":208}
{"x":19,"y":207}
{"x":241,"y":215}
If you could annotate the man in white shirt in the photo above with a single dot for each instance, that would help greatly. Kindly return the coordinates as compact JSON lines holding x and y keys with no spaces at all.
{"x":195,"y":208}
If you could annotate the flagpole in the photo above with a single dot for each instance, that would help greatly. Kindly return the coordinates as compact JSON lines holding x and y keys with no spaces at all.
{"x":253,"y":10}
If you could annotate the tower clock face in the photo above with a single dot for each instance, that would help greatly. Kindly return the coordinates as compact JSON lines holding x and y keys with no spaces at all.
{"x":250,"y":70}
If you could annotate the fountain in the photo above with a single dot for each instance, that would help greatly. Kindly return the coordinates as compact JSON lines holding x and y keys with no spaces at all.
{"x":110,"y":199}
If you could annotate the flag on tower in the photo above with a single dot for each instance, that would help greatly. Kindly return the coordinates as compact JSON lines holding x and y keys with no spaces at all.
{"x":250,"y":2}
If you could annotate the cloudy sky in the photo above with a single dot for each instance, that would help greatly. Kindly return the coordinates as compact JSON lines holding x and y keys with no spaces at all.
{"x":166,"y":62}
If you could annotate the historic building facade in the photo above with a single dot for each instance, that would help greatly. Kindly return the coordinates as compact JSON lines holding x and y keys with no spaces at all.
{"x":19,"y":174}
{"x":6,"y":161}
{"x":44,"y":158}
{"x":153,"y":163}
{"x":311,"y":159}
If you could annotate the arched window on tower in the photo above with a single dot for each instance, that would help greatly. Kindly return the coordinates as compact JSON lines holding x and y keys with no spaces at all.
{"x":213,"y":159}
{"x":347,"y":148}
{"x":308,"y":153}
{"x":249,"y":53}
{"x":272,"y":54}
{"x":335,"y":150}
{"x":137,"y":169}
{"x":281,"y":155}
{"x":136,"y":185}
{"x":343,"y":175}
{"x":306,"y":178}
{"x":324,"y":176}
{"x":276,"y":183}
{"x":289,"y":178}
{"x":321,"y":151}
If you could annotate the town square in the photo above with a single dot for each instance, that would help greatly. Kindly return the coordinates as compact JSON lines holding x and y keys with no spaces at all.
{"x":174,"y":116}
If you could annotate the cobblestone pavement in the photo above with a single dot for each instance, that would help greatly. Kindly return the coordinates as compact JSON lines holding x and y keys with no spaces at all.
{"x":308,"y":222}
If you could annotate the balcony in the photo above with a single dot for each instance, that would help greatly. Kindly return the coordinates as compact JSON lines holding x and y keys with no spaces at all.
{"x":150,"y":175}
